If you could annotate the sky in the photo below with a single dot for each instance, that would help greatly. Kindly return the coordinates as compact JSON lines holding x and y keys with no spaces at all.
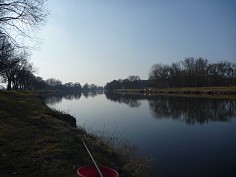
{"x":97,"y":41}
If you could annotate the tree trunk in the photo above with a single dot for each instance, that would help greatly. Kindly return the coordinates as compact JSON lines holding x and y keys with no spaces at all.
{"x":9,"y":84}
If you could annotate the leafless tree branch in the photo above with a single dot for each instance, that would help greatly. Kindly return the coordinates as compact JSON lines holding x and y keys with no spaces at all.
{"x":21,"y":17}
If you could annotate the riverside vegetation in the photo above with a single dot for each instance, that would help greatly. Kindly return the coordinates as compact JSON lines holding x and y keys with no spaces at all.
{"x":37,"y":141}
{"x":225,"y":92}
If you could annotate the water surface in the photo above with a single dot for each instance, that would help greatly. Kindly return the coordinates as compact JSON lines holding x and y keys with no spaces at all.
{"x":185,"y":136}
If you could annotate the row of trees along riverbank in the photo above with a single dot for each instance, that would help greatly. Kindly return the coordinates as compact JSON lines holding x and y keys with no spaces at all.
{"x":19,"y":21}
{"x":190,"y":72}
{"x":18,"y":72}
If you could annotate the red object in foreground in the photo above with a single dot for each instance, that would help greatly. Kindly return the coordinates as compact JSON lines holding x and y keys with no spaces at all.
{"x":91,"y":171}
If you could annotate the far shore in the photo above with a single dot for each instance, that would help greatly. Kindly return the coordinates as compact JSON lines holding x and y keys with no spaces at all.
{"x":226,"y":92}
{"x":185,"y":90}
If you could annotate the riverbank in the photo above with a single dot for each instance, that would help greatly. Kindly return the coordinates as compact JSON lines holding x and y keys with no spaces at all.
{"x":187,"y":90}
{"x":37,"y":141}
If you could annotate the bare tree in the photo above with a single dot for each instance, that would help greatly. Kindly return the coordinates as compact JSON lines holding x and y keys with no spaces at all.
{"x":134,"y":80}
{"x":201,"y":72}
{"x":56,"y":83}
{"x":7,"y":62}
{"x":12,"y":61}
{"x":175,"y":75}
{"x":160,"y":74}
{"x":21,"y":17}
{"x":189,"y":71}
{"x":24,"y":77}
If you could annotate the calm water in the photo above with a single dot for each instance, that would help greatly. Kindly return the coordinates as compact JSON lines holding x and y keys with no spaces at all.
{"x":187,"y":137}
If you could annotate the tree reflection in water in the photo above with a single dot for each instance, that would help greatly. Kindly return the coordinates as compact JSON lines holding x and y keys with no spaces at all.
{"x":87,"y":94}
{"x":132,"y":100}
{"x":54,"y":98}
{"x":193,"y":110}
{"x":189,"y":109}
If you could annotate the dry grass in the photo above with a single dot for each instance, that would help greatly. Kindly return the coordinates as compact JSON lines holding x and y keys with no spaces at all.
{"x":132,"y":162}
{"x":33,"y":141}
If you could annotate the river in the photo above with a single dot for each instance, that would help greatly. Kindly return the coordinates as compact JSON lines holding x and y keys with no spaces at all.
{"x":185,"y":136}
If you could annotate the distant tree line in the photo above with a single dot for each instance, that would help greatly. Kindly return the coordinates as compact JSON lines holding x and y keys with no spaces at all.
{"x":193,"y":72}
{"x":131,"y":82}
{"x":18,"y":72}
{"x":55,"y":84}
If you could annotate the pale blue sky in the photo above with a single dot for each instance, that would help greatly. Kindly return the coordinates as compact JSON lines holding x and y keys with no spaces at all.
{"x":96,"y":41}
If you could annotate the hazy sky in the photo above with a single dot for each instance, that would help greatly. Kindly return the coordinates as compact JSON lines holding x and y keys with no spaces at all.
{"x":97,"y":41}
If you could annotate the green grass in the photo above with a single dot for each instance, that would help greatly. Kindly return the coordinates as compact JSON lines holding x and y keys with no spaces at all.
{"x":36,"y":141}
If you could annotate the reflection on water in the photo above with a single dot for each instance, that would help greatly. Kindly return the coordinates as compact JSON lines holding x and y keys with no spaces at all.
{"x":189,"y":109}
{"x":193,"y":110}
{"x":56,"y":97}
{"x":131,"y":100}
{"x":92,"y":93}
{"x":206,"y":149}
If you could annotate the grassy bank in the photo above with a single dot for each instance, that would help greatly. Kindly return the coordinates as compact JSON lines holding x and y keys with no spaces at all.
{"x":187,"y":90}
{"x":37,"y":141}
